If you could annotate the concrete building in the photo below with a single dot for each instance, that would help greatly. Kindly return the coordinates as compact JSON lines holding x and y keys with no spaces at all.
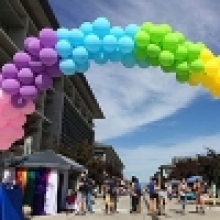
{"x":64,"y":113}
{"x":109,"y":155}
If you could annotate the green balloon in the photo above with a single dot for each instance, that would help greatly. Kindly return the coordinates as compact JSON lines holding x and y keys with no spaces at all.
{"x":170,"y":42}
{"x":196,"y":66}
{"x":147,"y":27}
{"x":182,"y":72}
{"x":180,"y":36}
{"x":181,"y":53}
{"x":157,"y":34}
{"x":140,"y":53}
{"x":166,"y":58}
{"x":153,"y":50}
{"x":166,"y":29}
{"x":182,"y":77}
{"x":142,"y":39}
{"x":168,"y":69}
{"x":153,"y":61}
{"x":194,"y":51}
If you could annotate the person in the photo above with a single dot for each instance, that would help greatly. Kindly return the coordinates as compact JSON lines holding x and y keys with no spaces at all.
{"x":213,"y":192}
{"x":182,"y":194}
{"x":203,"y":196}
{"x":169,"y":191}
{"x":89,"y":193}
{"x":198,"y":192}
{"x":153,"y":197}
{"x":162,"y":199}
{"x":135,"y":195}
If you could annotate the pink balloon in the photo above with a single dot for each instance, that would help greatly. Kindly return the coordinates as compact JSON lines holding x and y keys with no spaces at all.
{"x":5,"y":146}
{"x":18,"y":122}
{"x":18,"y":133}
{"x":29,"y":108}
{"x":4,"y":98}
{"x":3,"y":121}
{"x":9,"y":112}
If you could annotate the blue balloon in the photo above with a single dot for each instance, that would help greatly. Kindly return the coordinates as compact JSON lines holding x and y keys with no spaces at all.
{"x":82,"y":67}
{"x":131,"y":30}
{"x":67,"y":67}
{"x":63,"y":48}
{"x":62,"y":34}
{"x":100,"y":58}
{"x":76,"y":37}
{"x":117,"y":31}
{"x":86,"y":28}
{"x":128,"y":60}
{"x":143,"y":64}
{"x":101,"y":27}
{"x":92,"y":43}
{"x":80,"y":54}
{"x":115,"y":56}
{"x":126,"y":44}
{"x":110,"y":43}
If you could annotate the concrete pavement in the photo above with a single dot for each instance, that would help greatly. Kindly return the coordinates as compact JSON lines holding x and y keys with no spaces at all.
{"x":124,"y":207}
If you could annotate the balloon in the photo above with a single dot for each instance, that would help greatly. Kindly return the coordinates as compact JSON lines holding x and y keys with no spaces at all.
{"x":33,"y":46}
{"x":86,"y":28}
{"x":3,"y":121}
{"x":182,"y":68}
{"x":211,"y":67}
{"x":196,"y":66}
{"x":63,"y":48}
{"x":117,"y":31}
{"x":142,"y":39}
{"x":100,"y":58}
{"x":62,"y":34}
{"x":114,"y":56}
{"x":18,"y":122}
{"x":110,"y":43}
{"x":128,"y":60}
{"x":67,"y":67}
{"x":153,"y":50}
{"x":153,"y":61}
{"x":126,"y":44}
{"x":170,"y":42}
{"x":168,"y":69}
{"x":92,"y":43}
{"x":19,"y":133}
{"x":166,"y":58}
{"x":17,"y":101}
{"x":9,"y":112}
{"x":9,"y":71}
{"x":206,"y":55}
{"x":147,"y":27}
{"x":143,"y":64}
{"x":101,"y":27}
{"x":80,"y":54}
{"x":48,"y":56}
{"x":194,"y":79}
{"x":27,"y":41}
{"x":53,"y":71}
{"x":4,"y":146}
{"x":83,"y":67}
{"x":1,"y":79}
{"x":43,"y":82}
{"x":131,"y":30}
{"x":29,"y":92}
{"x":21,"y":59}
{"x":180,"y":36}
{"x":76,"y":37}
{"x":165,"y":28}
{"x":28,"y":109}
{"x":36,"y":66}
{"x":10,"y":86}
{"x":26,"y":76}
{"x":48,"y":37}
{"x":181,"y":53}
{"x":140,"y":53}
{"x":4,"y":98}
{"x":157,"y":33}
{"x":193,"y":51}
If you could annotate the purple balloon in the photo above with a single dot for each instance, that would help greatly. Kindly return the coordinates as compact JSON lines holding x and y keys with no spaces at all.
{"x":33,"y":46}
{"x":18,"y":102}
{"x":21,"y":59}
{"x":48,"y":37}
{"x":29,"y":92}
{"x":26,"y":76}
{"x":43,"y":82}
{"x":53,"y":71}
{"x":11,"y":86}
{"x":48,"y":56}
{"x":27,"y":41}
{"x":36,"y":66}
{"x":9,"y":71}
{"x":1,"y":79}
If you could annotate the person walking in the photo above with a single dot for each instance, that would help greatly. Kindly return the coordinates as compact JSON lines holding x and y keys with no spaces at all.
{"x":89,"y":193}
{"x":135,"y":196}
{"x":198,"y":191}
{"x":182,"y":194}
{"x":152,"y":197}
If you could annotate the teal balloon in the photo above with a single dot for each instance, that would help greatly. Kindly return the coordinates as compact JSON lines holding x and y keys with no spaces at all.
{"x":82,"y":67}
{"x":100,"y":58}
{"x":67,"y":67}
{"x":131,"y":30}
{"x":128,"y":61}
{"x":62,"y":34}
{"x":63,"y":48}
{"x":117,"y":31}
{"x":76,"y":37}
{"x":114,"y":56}
{"x":101,"y":27}
{"x":143,"y":64}
{"x":92,"y":43}
{"x":86,"y":28}
{"x":110,"y":43}
{"x":80,"y":54}
{"x":126,"y":44}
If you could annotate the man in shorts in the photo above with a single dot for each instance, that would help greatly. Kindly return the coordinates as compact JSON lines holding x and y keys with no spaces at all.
{"x":153,"y":197}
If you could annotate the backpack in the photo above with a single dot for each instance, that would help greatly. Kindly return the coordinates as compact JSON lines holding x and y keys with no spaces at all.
{"x":138,"y":188}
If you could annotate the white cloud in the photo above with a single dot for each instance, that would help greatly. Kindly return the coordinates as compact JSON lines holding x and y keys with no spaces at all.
{"x":144,"y":160}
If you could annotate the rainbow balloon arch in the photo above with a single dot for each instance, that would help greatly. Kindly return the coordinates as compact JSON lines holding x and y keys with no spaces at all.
{"x":69,"y":52}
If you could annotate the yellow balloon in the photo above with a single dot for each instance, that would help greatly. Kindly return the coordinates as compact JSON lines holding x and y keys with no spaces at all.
{"x":206,"y":55}
{"x":207,"y":81}
{"x":215,"y":92}
{"x":195,"y":79}
{"x":212,"y":67}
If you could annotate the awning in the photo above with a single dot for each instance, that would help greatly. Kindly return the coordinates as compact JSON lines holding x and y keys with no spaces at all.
{"x":44,"y":159}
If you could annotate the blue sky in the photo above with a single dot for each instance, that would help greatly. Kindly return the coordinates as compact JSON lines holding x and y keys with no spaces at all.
{"x":150,"y":117}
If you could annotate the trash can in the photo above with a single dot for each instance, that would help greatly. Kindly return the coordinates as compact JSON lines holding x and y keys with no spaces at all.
{"x":10,"y":202}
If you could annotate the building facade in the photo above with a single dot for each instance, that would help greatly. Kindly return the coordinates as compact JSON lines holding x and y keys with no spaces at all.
{"x":64,"y":113}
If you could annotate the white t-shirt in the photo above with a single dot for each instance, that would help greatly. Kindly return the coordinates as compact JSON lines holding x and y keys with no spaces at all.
{"x":183,"y":187}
